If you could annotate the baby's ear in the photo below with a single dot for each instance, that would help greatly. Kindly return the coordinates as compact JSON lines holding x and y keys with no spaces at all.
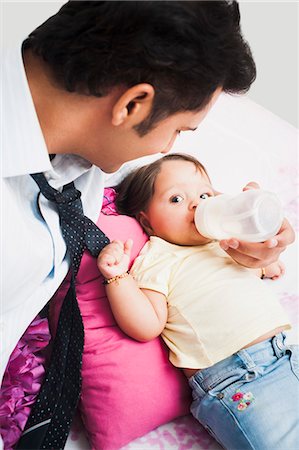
{"x":144,"y":222}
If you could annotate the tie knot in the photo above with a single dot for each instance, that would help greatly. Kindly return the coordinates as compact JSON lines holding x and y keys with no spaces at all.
{"x":79,"y":231}
{"x":66,"y":196}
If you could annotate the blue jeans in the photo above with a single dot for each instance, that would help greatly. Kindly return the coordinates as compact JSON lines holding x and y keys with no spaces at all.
{"x":251,"y":399}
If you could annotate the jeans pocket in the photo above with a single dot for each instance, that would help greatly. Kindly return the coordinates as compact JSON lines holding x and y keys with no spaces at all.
{"x":230,"y":380}
{"x":228,"y":390}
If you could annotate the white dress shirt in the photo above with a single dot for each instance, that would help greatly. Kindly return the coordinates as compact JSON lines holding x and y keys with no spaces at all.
{"x":33,"y":262}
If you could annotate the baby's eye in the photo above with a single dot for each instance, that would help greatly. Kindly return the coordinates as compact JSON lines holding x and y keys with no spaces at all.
{"x":204,"y":196}
{"x":176,"y":199}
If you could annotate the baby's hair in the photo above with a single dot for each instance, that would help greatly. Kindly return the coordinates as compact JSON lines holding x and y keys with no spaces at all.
{"x":137,"y":188}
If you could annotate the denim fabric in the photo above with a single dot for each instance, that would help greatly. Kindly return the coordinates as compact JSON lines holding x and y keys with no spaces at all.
{"x":251,"y":399}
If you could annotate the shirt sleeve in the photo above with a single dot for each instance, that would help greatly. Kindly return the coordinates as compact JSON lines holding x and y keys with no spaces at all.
{"x":151,"y":269}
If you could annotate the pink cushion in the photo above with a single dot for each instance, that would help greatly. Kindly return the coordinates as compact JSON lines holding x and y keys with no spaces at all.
{"x":128,"y":387}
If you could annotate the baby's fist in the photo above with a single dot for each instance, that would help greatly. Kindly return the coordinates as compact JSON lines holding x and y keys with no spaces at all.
{"x":275,"y":270}
{"x":114,"y":259}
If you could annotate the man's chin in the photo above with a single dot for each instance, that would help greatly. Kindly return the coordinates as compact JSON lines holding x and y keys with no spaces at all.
{"x":110,"y":169}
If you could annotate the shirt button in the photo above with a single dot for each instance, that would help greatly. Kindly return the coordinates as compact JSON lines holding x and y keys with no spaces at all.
{"x":220,"y":395}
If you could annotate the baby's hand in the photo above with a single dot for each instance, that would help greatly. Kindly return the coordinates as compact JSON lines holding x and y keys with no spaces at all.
{"x":114,"y":258}
{"x":275,"y":270}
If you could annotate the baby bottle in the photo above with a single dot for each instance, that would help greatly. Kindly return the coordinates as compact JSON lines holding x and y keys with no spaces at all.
{"x":253,"y":216}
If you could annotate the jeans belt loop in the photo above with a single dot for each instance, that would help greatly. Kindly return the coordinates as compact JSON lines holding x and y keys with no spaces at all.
{"x":247,"y":360}
{"x":278,"y":345}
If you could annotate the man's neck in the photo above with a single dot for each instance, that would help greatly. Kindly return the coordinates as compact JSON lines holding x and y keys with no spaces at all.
{"x":71,"y":122}
{"x":60,"y":113}
{"x":43,"y":92}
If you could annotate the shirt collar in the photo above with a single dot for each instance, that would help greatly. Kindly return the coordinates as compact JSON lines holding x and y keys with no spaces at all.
{"x":66,"y":168}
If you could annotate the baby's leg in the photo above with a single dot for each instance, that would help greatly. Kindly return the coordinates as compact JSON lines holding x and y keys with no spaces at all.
{"x":251,"y":400}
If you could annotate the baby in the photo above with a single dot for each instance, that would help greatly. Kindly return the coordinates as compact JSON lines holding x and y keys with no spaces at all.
{"x":223,"y":326}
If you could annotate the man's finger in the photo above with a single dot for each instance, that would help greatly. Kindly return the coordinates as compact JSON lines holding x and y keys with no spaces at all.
{"x":258,"y":250}
{"x":251,"y":185}
{"x":244,"y":260}
{"x":254,"y":255}
{"x":286,"y":234}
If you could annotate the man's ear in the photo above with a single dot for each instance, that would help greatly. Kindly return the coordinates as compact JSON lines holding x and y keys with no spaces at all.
{"x":144,"y":222}
{"x":134,"y":105}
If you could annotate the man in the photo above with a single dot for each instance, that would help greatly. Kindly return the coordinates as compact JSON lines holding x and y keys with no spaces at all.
{"x":98,"y":84}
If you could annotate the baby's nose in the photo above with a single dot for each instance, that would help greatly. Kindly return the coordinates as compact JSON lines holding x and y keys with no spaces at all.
{"x":193,"y":204}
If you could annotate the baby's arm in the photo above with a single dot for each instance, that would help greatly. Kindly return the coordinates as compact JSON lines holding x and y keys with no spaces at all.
{"x":141,"y":314}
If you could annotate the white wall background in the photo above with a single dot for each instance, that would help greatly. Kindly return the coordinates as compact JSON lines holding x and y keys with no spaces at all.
{"x":270,"y":27}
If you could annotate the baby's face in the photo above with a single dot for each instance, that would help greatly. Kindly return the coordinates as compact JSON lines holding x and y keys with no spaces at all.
{"x":179,"y":188}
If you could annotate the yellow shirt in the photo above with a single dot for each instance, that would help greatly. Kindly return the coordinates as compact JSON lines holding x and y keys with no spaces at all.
{"x":215,"y":306}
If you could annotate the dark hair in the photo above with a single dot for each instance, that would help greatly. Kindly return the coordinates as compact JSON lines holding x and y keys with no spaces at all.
{"x":185,"y":49}
{"x":135,"y":191}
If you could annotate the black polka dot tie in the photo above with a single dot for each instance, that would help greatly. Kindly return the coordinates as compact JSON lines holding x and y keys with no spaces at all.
{"x":51,"y":416}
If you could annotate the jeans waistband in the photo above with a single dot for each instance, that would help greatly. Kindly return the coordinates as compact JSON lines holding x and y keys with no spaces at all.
{"x":249,"y":359}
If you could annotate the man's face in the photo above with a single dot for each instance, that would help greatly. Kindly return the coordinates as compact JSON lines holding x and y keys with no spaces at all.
{"x":110,"y":147}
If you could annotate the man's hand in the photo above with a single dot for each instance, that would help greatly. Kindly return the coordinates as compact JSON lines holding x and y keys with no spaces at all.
{"x":260,"y":254}
{"x":114,"y":258}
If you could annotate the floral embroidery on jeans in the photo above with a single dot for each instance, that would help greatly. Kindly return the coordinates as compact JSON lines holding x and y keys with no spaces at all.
{"x":243,"y":399}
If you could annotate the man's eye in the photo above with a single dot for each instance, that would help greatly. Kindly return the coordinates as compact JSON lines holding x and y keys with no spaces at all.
{"x":204,"y":196}
{"x":176,"y":199}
